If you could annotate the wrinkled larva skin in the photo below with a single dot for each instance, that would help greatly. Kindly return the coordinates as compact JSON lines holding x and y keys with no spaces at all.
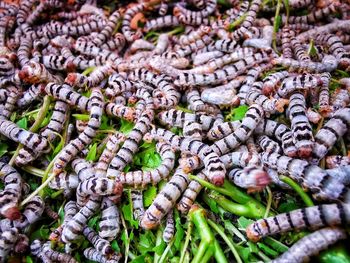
{"x":109,"y":105}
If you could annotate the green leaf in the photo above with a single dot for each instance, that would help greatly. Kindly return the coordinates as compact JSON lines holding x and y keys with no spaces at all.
{"x":126,"y":126}
{"x":179,"y":233}
{"x":160,"y":248}
{"x":213,"y":205}
{"x":244,"y":222}
{"x":267,"y":250}
{"x":3,"y":149}
{"x":23,"y":123}
{"x":81,"y":117}
{"x":88,"y":71}
{"x":275,"y":244}
{"x":286,"y":6}
{"x":142,"y":259}
{"x":91,"y":156}
{"x":312,"y":51}
{"x":41,"y":233}
{"x":128,"y":212}
{"x":146,"y":242}
{"x":115,"y":246}
{"x":238,"y":113}
{"x":287,"y":206}
{"x":277,"y":23}
{"x":149,"y":195}
{"x":29,"y":259}
{"x":105,"y":123}
{"x":342,"y":73}
{"x":93,"y":222}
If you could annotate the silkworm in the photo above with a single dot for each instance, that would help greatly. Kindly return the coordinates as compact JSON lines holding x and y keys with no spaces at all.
{"x":117,"y":85}
{"x":141,"y":178}
{"x":100,"y":244}
{"x":255,"y":96}
{"x":169,"y":229}
{"x":165,"y":200}
{"x":268,"y":145}
{"x":196,"y":104}
{"x":94,"y":255}
{"x":190,"y":194}
{"x":129,"y":14}
{"x":70,"y":210}
{"x":161,"y":22}
{"x":137,"y":204}
{"x":334,"y":129}
{"x":108,"y":153}
{"x":177,"y":118}
{"x":37,"y":248}
{"x":311,"y":245}
{"x":22,"y":244}
{"x":340,"y":173}
{"x":281,"y":132}
{"x":303,"y":82}
{"x":7,"y":238}
{"x":66,"y":93}
{"x":301,"y":128}
{"x":214,"y":167}
{"x":32,"y":212}
{"x":254,"y":178}
{"x":130,"y":146}
{"x":233,"y":140}
{"x":334,"y":161}
{"x":74,"y":226}
{"x":313,"y":217}
{"x":220,"y":75}
{"x":110,"y":220}
{"x":339,"y":99}
{"x":323,"y":186}
{"x":7,"y":108}
{"x":72,"y":149}
{"x":328,"y":64}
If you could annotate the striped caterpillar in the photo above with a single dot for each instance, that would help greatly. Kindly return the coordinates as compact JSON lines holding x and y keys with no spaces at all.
{"x":8,"y":239}
{"x":141,"y":178}
{"x":311,"y":245}
{"x":130,"y":146}
{"x":100,"y":244}
{"x":334,"y":161}
{"x":320,"y":183}
{"x":94,"y":255}
{"x":253,"y":116}
{"x":254,"y":178}
{"x":169,"y":229}
{"x":314,"y":217}
{"x":106,"y":157}
{"x":214,"y":167}
{"x":335,"y":128}
{"x":165,"y":200}
{"x":76,"y":224}
{"x":43,"y":251}
{"x":110,"y":220}
{"x":301,"y":128}
{"x":74,"y":146}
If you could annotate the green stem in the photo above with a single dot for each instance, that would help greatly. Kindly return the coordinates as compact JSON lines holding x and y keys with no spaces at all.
{"x":263,"y":256}
{"x":33,"y":170}
{"x":127,"y":245}
{"x":187,"y":241}
{"x":307,"y":200}
{"x":197,"y":216}
{"x":36,"y":125}
{"x":166,"y":251}
{"x":177,"y":30}
{"x":247,"y":210}
{"x":269,"y":201}
{"x":207,"y":256}
{"x":158,"y":242}
{"x":237,"y":22}
{"x":218,"y":253}
{"x":231,"y":191}
{"x":275,"y":26}
{"x":343,"y":147}
{"x":221,"y":232}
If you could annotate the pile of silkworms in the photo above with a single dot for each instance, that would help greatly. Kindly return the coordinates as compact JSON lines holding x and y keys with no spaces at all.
{"x":176,"y":87}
